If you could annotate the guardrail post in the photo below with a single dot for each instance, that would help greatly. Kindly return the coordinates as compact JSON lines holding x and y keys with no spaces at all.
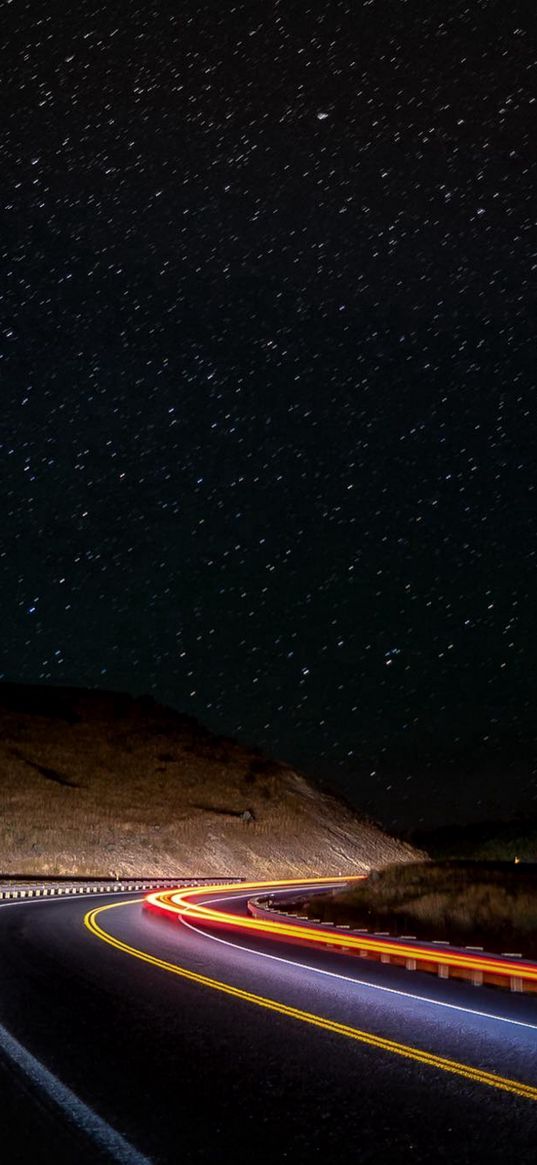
{"x":476,"y":977}
{"x":515,"y":983}
{"x":443,"y":968}
{"x":410,"y":964}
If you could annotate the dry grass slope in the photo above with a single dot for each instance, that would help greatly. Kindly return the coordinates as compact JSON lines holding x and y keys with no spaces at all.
{"x":96,"y":782}
{"x":490,"y":904}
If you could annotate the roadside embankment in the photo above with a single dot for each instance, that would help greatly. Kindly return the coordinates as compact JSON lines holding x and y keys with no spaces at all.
{"x":492,"y":904}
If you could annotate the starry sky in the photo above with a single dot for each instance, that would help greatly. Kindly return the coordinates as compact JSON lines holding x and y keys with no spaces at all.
{"x":267,"y":349}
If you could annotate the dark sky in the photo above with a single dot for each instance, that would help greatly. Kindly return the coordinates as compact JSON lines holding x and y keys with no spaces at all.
{"x":268,"y":379}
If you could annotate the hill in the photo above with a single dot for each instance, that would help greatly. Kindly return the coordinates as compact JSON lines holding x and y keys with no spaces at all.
{"x":493,"y":904}
{"x":104,"y":783}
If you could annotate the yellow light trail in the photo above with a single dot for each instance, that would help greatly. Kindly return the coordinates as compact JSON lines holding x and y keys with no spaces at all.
{"x":430,"y":1059}
{"x":182,"y":903}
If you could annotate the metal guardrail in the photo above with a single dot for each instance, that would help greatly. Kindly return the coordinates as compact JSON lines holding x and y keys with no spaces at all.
{"x":69,"y":887}
{"x":472,"y":964}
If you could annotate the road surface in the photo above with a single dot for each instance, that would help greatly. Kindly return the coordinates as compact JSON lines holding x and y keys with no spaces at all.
{"x":167,"y":1066}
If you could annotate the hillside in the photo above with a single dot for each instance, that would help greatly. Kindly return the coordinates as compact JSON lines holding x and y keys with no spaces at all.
{"x":493,"y":904}
{"x":100,"y":782}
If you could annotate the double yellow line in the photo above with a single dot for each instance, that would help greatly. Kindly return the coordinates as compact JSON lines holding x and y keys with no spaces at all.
{"x":476,"y":1075}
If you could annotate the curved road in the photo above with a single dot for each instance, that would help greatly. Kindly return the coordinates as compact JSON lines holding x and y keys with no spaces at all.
{"x":152,"y":1059}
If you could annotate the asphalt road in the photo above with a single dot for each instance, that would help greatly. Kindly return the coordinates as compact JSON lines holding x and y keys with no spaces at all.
{"x":184,"y":1072}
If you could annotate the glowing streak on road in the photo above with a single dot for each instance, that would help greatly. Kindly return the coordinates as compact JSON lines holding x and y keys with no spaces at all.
{"x":184,"y":905}
{"x":365,"y":984}
{"x":430,"y":1059}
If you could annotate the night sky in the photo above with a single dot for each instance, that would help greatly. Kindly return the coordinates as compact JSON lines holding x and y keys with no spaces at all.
{"x":268,"y":379}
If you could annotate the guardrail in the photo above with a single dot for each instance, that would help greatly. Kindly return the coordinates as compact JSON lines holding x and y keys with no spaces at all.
{"x":51,"y":887}
{"x":508,"y":970}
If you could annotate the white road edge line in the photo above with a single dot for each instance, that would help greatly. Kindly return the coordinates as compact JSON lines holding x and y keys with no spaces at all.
{"x":349,"y":978}
{"x":77,"y":1113}
{"x":73,"y":1109}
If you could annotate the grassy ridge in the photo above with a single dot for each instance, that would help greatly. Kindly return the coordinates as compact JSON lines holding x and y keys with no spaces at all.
{"x":490,"y":904}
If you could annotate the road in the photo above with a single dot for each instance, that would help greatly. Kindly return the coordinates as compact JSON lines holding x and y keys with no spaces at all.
{"x":169,"y":1066}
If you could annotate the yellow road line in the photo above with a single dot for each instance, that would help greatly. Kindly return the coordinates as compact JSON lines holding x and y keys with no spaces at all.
{"x":477,"y":1075}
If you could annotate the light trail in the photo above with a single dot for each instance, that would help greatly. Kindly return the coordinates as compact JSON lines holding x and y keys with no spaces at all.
{"x":184,"y":904}
{"x":430,"y":1059}
{"x":359,"y":982}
